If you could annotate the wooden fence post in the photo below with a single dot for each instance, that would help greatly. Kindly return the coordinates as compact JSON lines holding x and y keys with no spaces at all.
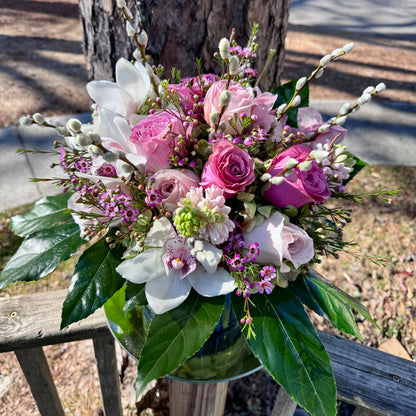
{"x":105,"y":354}
{"x":284,"y":405}
{"x":36,"y":370}
{"x":197,"y":399}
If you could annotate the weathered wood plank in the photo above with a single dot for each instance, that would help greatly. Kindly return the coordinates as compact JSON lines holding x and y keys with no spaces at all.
{"x":33,"y":320}
{"x":197,"y":399}
{"x":284,"y":405}
{"x":370,"y":378}
{"x":359,"y":411}
{"x":38,"y":375}
{"x":105,"y":354}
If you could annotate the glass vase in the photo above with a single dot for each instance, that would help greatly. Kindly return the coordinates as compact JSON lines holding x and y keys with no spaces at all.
{"x":224,"y":356}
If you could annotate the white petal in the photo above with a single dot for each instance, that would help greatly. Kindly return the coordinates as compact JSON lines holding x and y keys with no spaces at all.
{"x":134,"y":79}
{"x":111,"y":96}
{"x":211,"y":258}
{"x":160,"y":232}
{"x":207,"y":284}
{"x":166,"y":293}
{"x":144,"y":267}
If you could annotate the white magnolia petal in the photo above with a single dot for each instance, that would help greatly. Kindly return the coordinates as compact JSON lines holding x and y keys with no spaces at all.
{"x":109,"y":95}
{"x":166,"y":293}
{"x":160,"y":232}
{"x":207,"y":284}
{"x":134,"y":79}
{"x":138,"y":160}
{"x":144,"y":267}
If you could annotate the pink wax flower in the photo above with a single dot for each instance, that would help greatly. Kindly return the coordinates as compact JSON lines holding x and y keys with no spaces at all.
{"x":309,"y":120}
{"x":154,"y":138}
{"x":243,"y":100}
{"x":228,"y":167}
{"x":172,"y":185}
{"x":301,"y":187}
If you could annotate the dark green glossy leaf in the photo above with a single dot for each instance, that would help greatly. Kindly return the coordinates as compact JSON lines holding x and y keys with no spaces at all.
{"x":288,"y":347}
{"x":46,"y":213}
{"x":135,"y":295}
{"x":354,"y":303}
{"x":285,"y":93}
{"x":94,"y":281}
{"x":176,"y":335}
{"x":326,"y":302}
{"x":41,"y":252}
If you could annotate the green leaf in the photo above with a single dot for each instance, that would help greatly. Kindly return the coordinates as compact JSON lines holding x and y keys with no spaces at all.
{"x":46,"y":213}
{"x":41,"y":252}
{"x":288,"y":347}
{"x":354,"y":303}
{"x":94,"y":281}
{"x":326,"y":302}
{"x":176,"y":335}
{"x":284,"y":95}
{"x":135,"y":295}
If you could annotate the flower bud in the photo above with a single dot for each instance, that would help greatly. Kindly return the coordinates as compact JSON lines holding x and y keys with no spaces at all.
{"x":323,"y":128}
{"x":296,"y":101}
{"x":25,"y":121}
{"x":276,"y":180}
{"x":364,"y":99}
{"x":319,"y":155}
{"x":300,"y":83}
{"x":291,"y":163}
{"x":110,"y":157}
{"x":281,"y":108}
{"x":61,"y":130}
{"x":305,"y":166}
{"x":325,"y":61}
{"x":234,"y":65}
{"x":265,"y":177}
{"x":336,"y":52}
{"x":142,"y":38}
{"x":73,"y":125}
{"x":368,"y":90}
{"x":319,"y":73}
{"x":225,"y":98}
{"x":126,"y":168}
{"x":345,"y":109}
{"x":380,"y":87}
{"x":348,"y":47}
{"x":94,"y":150}
{"x":214,"y":117}
{"x":222,"y":127}
{"x":224,"y":48}
{"x":83,"y":140}
{"x":340,"y":120}
{"x":95,"y":137}
{"x":38,"y":118}
{"x":341,"y":158}
{"x":121,"y":3}
{"x":130,"y":29}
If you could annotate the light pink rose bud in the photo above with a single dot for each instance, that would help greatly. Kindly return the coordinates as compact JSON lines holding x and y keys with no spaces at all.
{"x":172,"y":185}
{"x":297,"y":245}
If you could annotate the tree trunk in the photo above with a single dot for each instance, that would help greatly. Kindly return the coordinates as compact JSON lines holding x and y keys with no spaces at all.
{"x":180,"y":31}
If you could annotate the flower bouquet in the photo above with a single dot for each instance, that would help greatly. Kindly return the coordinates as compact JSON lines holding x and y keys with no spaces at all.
{"x":201,"y":200}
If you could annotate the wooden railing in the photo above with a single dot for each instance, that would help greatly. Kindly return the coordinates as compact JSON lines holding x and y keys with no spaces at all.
{"x":376,"y":382}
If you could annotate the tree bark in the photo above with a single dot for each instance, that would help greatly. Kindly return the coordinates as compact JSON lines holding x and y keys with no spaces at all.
{"x":182,"y":30}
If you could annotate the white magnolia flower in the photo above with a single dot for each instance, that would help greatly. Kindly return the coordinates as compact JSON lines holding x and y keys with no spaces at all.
{"x":171,"y":271}
{"x":125,"y":96}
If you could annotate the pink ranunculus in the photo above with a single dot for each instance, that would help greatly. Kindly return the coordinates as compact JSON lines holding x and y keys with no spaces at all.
{"x":241,"y":102}
{"x":297,"y":245}
{"x":269,"y":237}
{"x":202,"y":83}
{"x":301,"y":187}
{"x":172,"y":185}
{"x":228,"y":167}
{"x":154,"y":139}
{"x":185,"y":94}
{"x":309,"y":120}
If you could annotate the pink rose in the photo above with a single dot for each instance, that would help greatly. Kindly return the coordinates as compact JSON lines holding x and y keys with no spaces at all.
{"x":301,"y":187}
{"x":172,"y":185}
{"x":243,"y":100}
{"x":309,"y":120}
{"x":154,"y":137}
{"x":269,"y":237}
{"x":297,"y":245}
{"x":202,"y":83}
{"x":228,"y":167}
